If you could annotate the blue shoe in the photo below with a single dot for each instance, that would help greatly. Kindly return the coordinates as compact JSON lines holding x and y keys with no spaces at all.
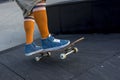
{"x":31,"y":49}
{"x":51,"y":43}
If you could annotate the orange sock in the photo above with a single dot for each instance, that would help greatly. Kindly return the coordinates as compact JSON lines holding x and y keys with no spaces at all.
{"x":40,"y":16}
{"x":29,"y":29}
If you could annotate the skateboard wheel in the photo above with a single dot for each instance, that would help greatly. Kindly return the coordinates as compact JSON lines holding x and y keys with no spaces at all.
{"x":75,"y":49}
{"x":37,"y":59}
{"x":49,"y":54}
{"x":63,"y":56}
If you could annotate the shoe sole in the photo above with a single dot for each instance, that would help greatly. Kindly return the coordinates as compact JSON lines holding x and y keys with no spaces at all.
{"x":32,"y":53}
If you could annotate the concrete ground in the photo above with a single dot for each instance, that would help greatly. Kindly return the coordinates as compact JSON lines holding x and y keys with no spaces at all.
{"x":98,"y":59}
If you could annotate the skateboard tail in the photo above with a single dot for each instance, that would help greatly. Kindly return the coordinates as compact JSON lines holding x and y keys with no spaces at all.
{"x":75,"y":42}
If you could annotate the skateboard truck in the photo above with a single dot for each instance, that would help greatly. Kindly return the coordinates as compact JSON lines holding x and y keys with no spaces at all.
{"x":68,"y":52}
{"x":38,"y":58}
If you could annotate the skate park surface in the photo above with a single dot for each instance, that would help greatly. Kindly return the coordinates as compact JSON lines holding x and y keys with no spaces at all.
{"x":98,"y":57}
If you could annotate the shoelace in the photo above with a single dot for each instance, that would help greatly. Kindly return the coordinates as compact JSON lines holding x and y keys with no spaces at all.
{"x":56,"y":40}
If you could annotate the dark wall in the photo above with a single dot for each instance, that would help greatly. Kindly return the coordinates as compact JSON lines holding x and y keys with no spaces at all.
{"x":84,"y":17}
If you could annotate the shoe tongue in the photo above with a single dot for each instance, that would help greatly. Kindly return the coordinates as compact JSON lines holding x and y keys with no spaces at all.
{"x":33,"y":44}
{"x":54,"y":40}
{"x":51,"y":37}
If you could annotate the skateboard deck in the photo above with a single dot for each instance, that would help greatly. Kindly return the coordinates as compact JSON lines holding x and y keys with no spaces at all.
{"x":69,"y":49}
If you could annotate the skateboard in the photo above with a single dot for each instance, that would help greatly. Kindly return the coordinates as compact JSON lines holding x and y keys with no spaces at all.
{"x":64,"y":52}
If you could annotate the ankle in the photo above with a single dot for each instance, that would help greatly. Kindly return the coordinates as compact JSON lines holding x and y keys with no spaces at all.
{"x":46,"y":36}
